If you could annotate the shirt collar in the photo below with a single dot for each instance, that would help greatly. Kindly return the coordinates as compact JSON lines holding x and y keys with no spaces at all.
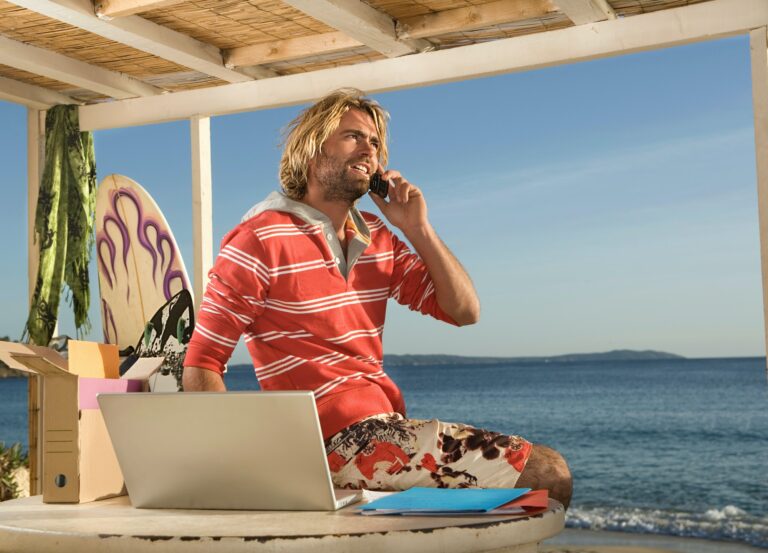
{"x":277,"y":201}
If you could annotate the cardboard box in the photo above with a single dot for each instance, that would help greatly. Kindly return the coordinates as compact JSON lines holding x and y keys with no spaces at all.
{"x":79,"y":463}
{"x":7,"y":348}
{"x":35,"y":393}
{"x":94,"y":360}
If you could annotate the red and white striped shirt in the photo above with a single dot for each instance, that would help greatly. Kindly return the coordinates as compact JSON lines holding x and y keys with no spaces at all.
{"x":312,"y":319}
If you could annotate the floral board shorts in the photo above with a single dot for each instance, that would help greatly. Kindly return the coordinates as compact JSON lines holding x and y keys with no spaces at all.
{"x":390,"y":452}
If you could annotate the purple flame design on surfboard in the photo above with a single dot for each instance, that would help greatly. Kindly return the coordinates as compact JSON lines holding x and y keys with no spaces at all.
{"x":109,"y":321}
{"x":114,"y":219}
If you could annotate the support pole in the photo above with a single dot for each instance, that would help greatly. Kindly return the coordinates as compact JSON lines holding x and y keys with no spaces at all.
{"x":35,"y":163}
{"x":202,"y":205}
{"x":758,"y":46}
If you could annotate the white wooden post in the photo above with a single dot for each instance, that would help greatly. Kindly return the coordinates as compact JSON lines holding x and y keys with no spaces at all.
{"x":35,"y":163}
{"x":35,"y":159}
{"x":758,"y":45}
{"x":202,"y":205}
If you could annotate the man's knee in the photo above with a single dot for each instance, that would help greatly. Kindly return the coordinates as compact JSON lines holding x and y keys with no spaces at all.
{"x":546,"y":468}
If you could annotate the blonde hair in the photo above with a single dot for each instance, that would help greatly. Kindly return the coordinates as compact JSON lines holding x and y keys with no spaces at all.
{"x":305,"y":135}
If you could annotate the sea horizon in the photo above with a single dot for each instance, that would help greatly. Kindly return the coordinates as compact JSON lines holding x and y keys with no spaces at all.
{"x":240,"y":365}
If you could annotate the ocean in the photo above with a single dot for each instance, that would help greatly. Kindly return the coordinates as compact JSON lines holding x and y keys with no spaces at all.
{"x":676,"y":447}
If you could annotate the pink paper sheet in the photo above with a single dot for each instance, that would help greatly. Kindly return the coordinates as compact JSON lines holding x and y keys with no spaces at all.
{"x":87,"y":388}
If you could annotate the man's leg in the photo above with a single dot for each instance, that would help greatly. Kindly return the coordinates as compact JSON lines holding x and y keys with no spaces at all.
{"x":388,"y":452}
{"x":546,"y":468}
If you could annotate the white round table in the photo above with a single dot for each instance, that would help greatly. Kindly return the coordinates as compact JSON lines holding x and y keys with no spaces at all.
{"x":113,"y":525}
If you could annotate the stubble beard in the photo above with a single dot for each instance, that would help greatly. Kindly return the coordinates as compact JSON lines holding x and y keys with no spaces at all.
{"x":338,"y":182}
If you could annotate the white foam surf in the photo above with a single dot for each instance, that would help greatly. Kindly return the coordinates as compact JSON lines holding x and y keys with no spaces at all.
{"x":726,"y":523}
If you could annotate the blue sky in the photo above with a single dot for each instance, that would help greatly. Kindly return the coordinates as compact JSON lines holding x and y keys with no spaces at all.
{"x":600,"y":205}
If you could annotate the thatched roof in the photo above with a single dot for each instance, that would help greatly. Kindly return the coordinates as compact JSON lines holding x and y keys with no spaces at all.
{"x":137,"y":48}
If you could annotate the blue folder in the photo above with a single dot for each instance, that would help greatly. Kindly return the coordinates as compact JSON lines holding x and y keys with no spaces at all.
{"x":443,"y":500}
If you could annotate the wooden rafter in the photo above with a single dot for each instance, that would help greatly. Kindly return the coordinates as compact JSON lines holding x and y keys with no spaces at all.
{"x":141,"y":34}
{"x":35,"y":97}
{"x":68,"y":70}
{"x":586,"y":11}
{"x":361,"y":22}
{"x":660,"y":29}
{"x":472,"y":17}
{"x":289,"y":49}
{"x":108,"y":9}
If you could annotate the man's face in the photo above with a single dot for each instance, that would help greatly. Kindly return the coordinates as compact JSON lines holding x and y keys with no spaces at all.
{"x":347,"y":159}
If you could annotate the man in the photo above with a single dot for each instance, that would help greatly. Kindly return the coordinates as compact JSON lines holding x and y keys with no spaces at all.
{"x":306,"y":278}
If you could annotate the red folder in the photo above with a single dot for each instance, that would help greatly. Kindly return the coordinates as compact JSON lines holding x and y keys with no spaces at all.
{"x":531,"y":503}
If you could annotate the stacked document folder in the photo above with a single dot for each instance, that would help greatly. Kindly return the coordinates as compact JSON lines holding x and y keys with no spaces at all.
{"x":458,"y":502}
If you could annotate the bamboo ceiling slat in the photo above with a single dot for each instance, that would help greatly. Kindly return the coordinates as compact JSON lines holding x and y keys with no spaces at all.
{"x":229,"y":24}
{"x":625,"y":8}
{"x":31,"y":78}
{"x":50,"y":84}
{"x":36,"y":30}
{"x":224,"y":36}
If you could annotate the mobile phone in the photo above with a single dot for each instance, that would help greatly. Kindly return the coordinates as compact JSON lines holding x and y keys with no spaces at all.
{"x":378,"y":185}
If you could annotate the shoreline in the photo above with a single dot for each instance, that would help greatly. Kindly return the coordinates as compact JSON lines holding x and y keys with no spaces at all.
{"x":572,"y":540}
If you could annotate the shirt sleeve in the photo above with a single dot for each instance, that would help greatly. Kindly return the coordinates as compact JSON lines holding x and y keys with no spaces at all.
{"x":235,"y":295}
{"x":411,"y":284}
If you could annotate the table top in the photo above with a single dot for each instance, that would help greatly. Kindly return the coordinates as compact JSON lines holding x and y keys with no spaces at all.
{"x":114,"y":525}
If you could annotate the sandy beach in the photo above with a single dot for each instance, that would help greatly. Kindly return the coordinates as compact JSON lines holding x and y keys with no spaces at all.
{"x":589,"y":541}
{"x":602,"y":549}
{"x":624,"y":549}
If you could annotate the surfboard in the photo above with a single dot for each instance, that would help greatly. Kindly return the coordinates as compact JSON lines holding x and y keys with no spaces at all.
{"x":139,"y":263}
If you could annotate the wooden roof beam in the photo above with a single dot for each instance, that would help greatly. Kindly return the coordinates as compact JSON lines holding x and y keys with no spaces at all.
{"x":32,"y":96}
{"x":108,"y":9}
{"x":143,"y":35}
{"x":68,"y":70}
{"x":472,"y":17}
{"x":586,"y":11}
{"x":290,"y":49}
{"x":363,"y":23}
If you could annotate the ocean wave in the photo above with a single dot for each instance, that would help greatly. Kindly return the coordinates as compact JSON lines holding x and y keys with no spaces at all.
{"x":726,"y":523}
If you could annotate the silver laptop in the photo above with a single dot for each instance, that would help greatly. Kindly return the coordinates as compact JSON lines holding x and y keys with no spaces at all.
{"x":229,"y":450}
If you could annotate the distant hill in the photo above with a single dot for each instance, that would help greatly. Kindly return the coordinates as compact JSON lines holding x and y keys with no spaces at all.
{"x":57,"y":342}
{"x":439,"y":359}
{"x":459,"y":360}
{"x":7,"y":372}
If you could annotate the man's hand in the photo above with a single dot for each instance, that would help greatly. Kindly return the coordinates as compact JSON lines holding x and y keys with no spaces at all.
{"x":196,"y":379}
{"x":406,"y":208}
